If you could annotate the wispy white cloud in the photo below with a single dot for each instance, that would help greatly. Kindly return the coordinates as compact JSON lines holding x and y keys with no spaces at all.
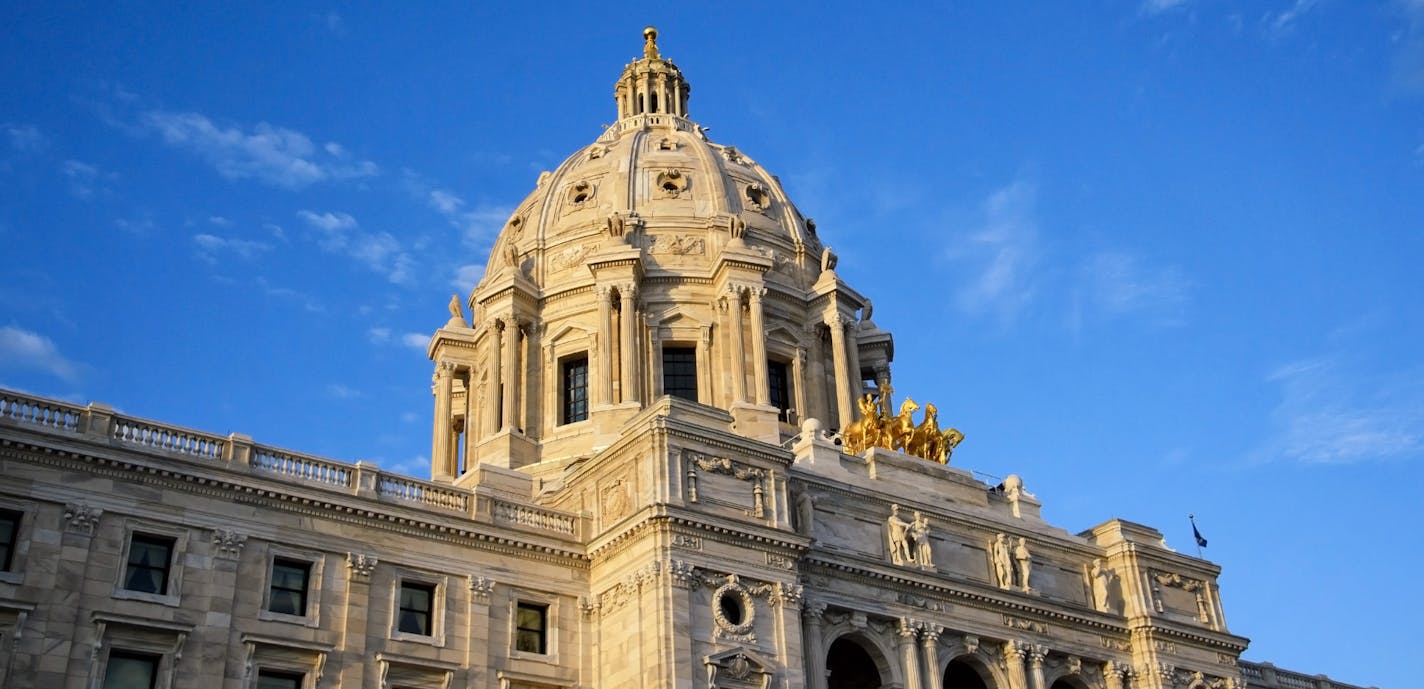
{"x":210,"y":246}
{"x":141,"y":226}
{"x":446,"y":202}
{"x":378,"y":335}
{"x":342,"y":392}
{"x":1332,"y":412}
{"x":1120,"y":283}
{"x":466,"y":277}
{"x":26,"y":138}
{"x":1286,"y":19}
{"x":999,"y":258}
{"x":381,"y":252}
{"x":219,"y":221}
{"x":20,"y":348}
{"x":86,"y":179}
{"x":418,"y":341}
{"x":275,"y":155}
{"x":1160,"y":6}
{"x":306,"y":301}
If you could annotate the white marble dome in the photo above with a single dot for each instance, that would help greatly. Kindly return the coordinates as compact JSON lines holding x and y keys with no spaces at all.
{"x":650,"y":264}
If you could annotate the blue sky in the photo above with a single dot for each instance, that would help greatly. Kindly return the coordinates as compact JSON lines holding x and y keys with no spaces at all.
{"x":1156,"y":257}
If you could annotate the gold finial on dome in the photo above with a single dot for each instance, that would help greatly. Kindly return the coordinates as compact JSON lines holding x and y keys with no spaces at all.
{"x":650,"y":48}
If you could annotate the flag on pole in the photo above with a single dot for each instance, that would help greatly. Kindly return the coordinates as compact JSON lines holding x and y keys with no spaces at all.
{"x":1201,"y":540}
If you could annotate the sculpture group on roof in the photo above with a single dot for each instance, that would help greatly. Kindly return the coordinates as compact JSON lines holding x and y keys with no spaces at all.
{"x":876,"y":427}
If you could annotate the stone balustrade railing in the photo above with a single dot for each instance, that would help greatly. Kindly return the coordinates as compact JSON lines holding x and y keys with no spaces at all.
{"x":536,"y":517}
{"x":100,"y":424}
{"x":301,"y":467}
{"x":45,"y":413}
{"x":636,"y":122}
{"x":1268,"y":676}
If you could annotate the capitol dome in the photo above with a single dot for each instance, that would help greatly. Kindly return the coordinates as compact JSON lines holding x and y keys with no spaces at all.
{"x":651,"y":264}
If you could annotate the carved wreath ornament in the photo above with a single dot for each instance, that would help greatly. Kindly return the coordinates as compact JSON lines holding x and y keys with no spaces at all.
{"x":733,"y":611}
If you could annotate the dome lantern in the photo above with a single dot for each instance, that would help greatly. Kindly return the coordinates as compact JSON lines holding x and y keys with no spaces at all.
{"x":651,"y":85}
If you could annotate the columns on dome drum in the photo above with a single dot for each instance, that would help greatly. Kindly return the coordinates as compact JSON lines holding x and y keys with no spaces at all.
{"x":845,"y":390}
{"x":441,"y":450}
{"x":733,"y":311}
{"x":627,"y":343}
{"x":763,"y":389}
{"x":492,"y":398}
{"x":605,"y":345}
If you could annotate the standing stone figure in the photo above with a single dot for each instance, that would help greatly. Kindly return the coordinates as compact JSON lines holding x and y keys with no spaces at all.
{"x":805,"y":514}
{"x":1102,"y":576}
{"x":1003,"y":561}
{"x":920,"y":534}
{"x":897,"y":532}
{"x":1023,"y":562}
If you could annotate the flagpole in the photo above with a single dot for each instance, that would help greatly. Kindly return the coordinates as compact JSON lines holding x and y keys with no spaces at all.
{"x":1195,"y":537}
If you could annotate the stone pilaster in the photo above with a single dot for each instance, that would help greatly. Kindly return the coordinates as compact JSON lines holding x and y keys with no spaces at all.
{"x":628,"y":342}
{"x":510,"y":374}
{"x":811,"y":615}
{"x":763,"y":387}
{"x":605,"y":345}
{"x":845,"y":395}
{"x":739,"y":354}
{"x":355,"y":626}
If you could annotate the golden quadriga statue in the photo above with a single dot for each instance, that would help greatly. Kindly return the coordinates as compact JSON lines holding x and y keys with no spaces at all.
{"x":877,"y":428}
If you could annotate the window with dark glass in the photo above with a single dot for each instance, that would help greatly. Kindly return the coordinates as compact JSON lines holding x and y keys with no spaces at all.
{"x":531,"y":628}
{"x":269,"y":679}
{"x":780,"y":386}
{"x":288,"y":592}
{"x":128,"y":670}
{"x":149,"y":560}
{"x":680,"y":372}
{"x":575,"y":377}
{"x":9,"y":532}
{"x":416,"y":604}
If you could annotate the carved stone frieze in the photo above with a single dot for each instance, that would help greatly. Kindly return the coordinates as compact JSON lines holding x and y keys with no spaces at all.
{"x":1025,"y":625}
{"x":677,"y":244}
{"x":686,"y":541}
{"x":780,"y":561}
{"x":923,"y":602}
{"x":569,"y":257}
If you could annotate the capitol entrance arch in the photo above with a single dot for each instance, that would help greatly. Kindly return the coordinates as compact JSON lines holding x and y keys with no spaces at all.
{"x":851,"y":665}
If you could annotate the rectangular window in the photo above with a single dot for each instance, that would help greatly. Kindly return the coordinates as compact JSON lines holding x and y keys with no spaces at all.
{"x":416,"y":603}
{"x":680,"y":372}
{"x":288,"y":592}
{"x":531,"y":628}
{"x":780,"y":385}
{"x":575,"y":387}
{"x":149,"y":560}
{"x":9,"y":533}
{"x":268,"y":679}
{"x":128,"y":670}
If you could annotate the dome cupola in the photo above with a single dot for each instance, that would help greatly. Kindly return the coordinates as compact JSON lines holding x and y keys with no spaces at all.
{"x":651,"y":85}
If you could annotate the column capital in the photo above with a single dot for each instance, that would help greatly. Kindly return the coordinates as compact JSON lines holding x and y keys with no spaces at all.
{"x":603,"y":291}
{"x":627,"y":291}
{"x":1036,"y":653}
{"x":1015,"y":650}
{"x":908,"y":629}
{"x":756,"y":293}
{"x":838,"y":320}
{"x":929,"y":636}
{"x":444,"y":369}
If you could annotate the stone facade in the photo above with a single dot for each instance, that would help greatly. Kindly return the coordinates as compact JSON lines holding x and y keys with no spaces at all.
{"x":633,"y":485}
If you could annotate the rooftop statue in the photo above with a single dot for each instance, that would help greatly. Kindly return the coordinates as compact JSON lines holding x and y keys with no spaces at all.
{"x":877,"y":428}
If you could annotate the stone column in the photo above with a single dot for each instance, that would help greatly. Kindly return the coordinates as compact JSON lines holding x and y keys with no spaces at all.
{"x":510,"y":370}
{"x":655,"y":362}
{"x":1036,"y":654}
{"x":853,"y":360}
{"x":929,"y":643}
{"x":763,"y":388}
{"x":1014,"y":664}
{"x":739,"y":353}
{"x":816,"y":376}
{"x":845,"y":397}
{"x":704,"y":366}
{"x":472,"y":408}
{"x":801,"y":375}
{"x":605,"y":345}
{"x":1114,"y":674}
{"x":909,"y":657}
{"x":815,"y":645}
{"x":491,"y":420}
{"x":627,"y":343}
{"x":440,"y":452}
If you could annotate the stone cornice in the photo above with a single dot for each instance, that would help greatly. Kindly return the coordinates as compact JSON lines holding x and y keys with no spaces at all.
{"x":1157,"y":627}
{"x":292,"y":498}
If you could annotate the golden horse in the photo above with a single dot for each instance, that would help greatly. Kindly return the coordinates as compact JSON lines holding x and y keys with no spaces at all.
{"x":897,"y":432}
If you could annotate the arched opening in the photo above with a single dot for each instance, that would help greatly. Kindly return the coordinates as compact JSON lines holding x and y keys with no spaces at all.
{"x":1068,"y":683}
{"x":962,"y":675}
{"x":849,"y":666}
